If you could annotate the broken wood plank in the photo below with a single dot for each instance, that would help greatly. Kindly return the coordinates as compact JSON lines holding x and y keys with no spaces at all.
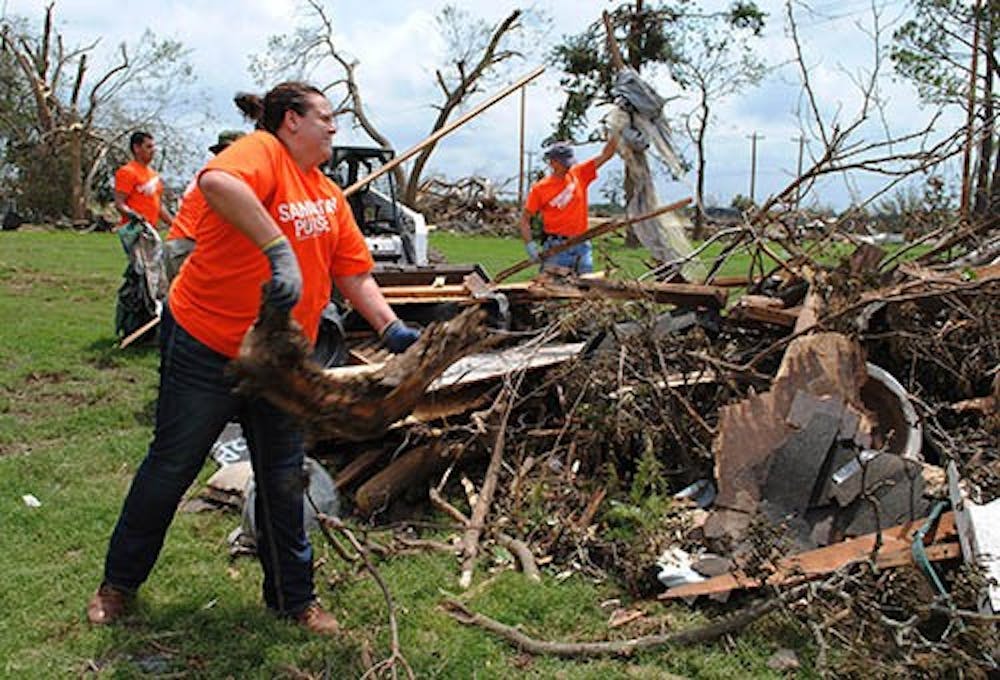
{"x":894,"y":551}
{"x":358,"y":467}
{"x":482,"y":366}
{"x":679,"y":294}
{"x":750,"y":310}
{"x":411,"y":469}
{"x":139,"y":332}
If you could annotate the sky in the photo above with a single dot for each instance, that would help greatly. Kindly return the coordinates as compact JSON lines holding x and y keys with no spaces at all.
{"x":398,"y":48}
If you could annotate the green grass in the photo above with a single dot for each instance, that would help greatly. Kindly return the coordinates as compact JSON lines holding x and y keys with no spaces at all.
{"x":610,"y":254}
{"x":75,"y":419}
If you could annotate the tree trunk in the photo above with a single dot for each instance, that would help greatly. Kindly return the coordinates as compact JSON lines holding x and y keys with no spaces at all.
{"x":981,"y":198}
{"x":631,"y":240}
{"x":77,"y":203}
{"x":699,"y":208}
{"x":634,"y":60}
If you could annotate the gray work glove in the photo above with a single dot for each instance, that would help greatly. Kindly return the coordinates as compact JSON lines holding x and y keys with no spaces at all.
{"x":285,"y":286}
{"x":534,"y":252}
{"x":397,"y":336}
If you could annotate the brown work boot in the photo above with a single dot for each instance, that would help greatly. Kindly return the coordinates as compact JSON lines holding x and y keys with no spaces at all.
{"x":108,"y":604}
{"x":317,"y":620}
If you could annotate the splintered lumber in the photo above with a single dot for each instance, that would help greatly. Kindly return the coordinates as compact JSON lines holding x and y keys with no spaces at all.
{"x":763,"y":310}
{"x":599,"y":230}
{"x":890,"y":549}
{"x":679,"y":294}
{"x":482,"y":366}
{"x":274,"y":363}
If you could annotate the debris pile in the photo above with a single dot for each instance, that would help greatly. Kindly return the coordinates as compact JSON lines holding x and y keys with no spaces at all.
{"x":468,"y":205}
{"x":792,"y":441}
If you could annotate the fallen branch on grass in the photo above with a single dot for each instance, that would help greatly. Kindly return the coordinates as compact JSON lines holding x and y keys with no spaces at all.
{"x":396,"y":655}
{"x":526,"y":643}
{"x":518,"y":547}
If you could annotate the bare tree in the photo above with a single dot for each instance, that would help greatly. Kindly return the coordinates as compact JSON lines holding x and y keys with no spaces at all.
{"x":846,"y":146}
{"x":715,"y":63}
{"x":475,"y":51}
{"x":76,"y":119}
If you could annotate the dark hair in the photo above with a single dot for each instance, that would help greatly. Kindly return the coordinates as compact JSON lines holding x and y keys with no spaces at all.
{"x":268,"y":112}
{"x":137,"y":138}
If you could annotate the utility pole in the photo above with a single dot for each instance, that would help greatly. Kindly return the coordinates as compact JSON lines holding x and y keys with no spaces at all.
{"x":798,"y":173}
{"x":531,"y":155}
{"x":520,"y":155}
{"x":753,"y":163}
{"x":969,"y":123}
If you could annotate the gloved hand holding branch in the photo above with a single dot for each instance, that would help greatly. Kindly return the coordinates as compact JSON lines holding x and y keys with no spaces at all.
{"x":285,"y":287}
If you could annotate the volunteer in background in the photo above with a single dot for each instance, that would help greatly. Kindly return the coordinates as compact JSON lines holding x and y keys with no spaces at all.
{"x":138,"y":188}
{"x":561,"y":199}
{"x":180,"y":239}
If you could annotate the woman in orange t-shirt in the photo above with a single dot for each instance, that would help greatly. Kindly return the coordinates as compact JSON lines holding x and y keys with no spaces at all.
{"x":274,"y":217}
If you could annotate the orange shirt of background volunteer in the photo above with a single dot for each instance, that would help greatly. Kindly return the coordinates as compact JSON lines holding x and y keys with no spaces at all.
{"x":563,"y":200}
{"x":216,"y":295}
{"x":193,"y":204}
{"x":142,"y":188}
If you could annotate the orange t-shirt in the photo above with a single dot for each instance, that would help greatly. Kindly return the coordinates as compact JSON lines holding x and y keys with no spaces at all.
{"x":216,"y":295}
{"x":563,"y":200}
{"x":193,"y":204}
{"x":142,"y":188}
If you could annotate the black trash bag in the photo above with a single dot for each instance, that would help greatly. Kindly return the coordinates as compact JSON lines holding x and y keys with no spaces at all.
{"x":135,"y":307}
{"x":144,"y":282}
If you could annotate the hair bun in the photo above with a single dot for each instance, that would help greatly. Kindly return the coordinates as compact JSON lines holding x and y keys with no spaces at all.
{"x":251,"y":105}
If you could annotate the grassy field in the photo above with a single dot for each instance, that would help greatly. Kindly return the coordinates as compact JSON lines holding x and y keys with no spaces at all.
{"x":75,"y":418}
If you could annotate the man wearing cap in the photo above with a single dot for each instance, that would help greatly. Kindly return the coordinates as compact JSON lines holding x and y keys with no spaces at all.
{"x":561,"y":199}
{"x":180,"y":239}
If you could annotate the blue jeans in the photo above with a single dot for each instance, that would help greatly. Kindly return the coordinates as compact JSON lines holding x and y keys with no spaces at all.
{"x":195,"y":403}
{"x":579,"y":258}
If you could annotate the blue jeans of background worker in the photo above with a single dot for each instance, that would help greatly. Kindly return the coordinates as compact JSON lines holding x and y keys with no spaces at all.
{"x":195,"y":403}
{"x":579,"y":258}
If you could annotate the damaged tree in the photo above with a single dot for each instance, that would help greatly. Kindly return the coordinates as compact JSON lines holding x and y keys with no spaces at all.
{"x":77,"y":119}
{"x":475,"y":53}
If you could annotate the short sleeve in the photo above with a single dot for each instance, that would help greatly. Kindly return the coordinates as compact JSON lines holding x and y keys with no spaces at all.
{"x":587,"y":171}
{"x":252,"y":159}
{"x":124,"y":180}
{"x":534,"y":202}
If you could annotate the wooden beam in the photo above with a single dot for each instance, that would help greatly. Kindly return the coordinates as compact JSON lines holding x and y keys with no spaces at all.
{"x":894,"y":552}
